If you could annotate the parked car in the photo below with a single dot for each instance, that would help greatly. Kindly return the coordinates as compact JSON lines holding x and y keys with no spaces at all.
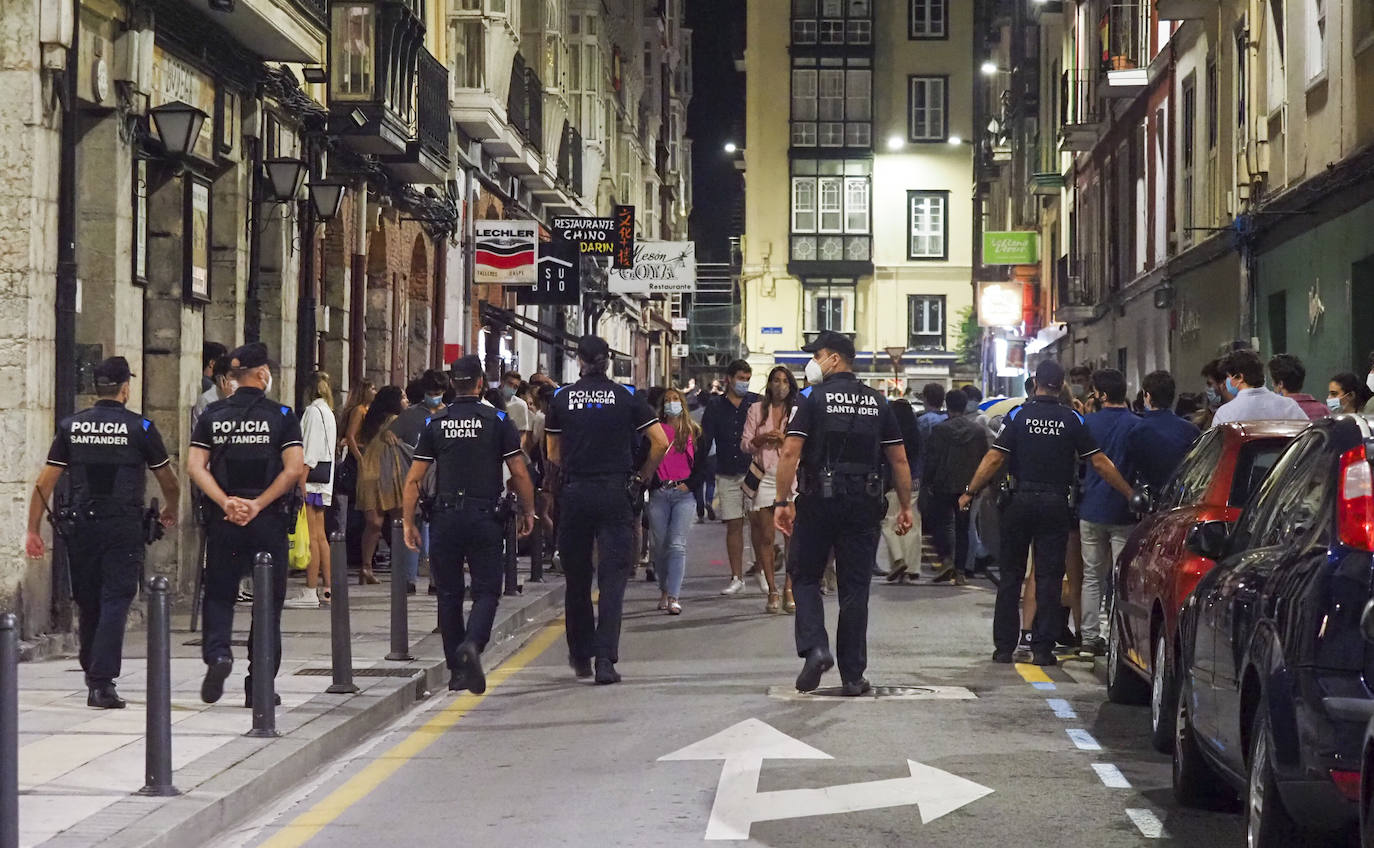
{"x":1155,"y":572}
{"x":1273,"y":701}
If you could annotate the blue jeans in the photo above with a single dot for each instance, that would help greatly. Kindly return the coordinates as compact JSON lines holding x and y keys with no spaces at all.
{"x":670,"y":517}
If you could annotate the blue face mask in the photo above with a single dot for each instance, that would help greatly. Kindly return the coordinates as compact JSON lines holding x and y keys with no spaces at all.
{"x":741,"y":387}
{"x":1213,"y":397}
{"x":434,"y":402}
{"x":1231,"y":387}
{"x":672,"y":408}
{"x":1333,"y":404}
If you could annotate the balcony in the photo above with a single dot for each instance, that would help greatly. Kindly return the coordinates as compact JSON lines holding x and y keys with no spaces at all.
{"x":276,"y":30}
{"x":1080,"y":124}
{"x":1046,"y":184}
{"x":1185,"y":10}
{"x":372,"y":74}
{"x":1126,"y":48}
{"x":429,"y":154}
{"x":481,"y":51}
{"x":1076,"y":300}
{"x":830,"y":255}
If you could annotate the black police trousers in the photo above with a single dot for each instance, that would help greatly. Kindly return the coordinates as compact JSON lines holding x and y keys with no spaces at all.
{"x":229,"y":553}
{"x":595,"y":512}
{"x":850,"y":526}
{"x":1042,"y":520}
{"x":474,"y":536}
{"x":105,"y":556}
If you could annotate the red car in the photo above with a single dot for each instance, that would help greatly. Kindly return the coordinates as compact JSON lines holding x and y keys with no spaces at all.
{"x":1155,"y":573}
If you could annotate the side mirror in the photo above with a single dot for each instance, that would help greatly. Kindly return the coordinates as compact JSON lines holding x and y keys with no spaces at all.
{"x":1367,"y":621}
{"x":1141,"y":502}
{"x":1208,"y":539}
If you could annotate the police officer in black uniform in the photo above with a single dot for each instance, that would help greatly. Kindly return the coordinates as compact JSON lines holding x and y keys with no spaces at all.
{"x":246,"y":456}
{"x":468,"y":443}
{"x":1043,"y":440}
{"x":849,"y":446}
{"x":591,"y":428}
{"x":104,"y":451}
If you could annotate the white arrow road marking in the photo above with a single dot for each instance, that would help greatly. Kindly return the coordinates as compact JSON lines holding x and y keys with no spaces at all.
{"x":739,"y":804}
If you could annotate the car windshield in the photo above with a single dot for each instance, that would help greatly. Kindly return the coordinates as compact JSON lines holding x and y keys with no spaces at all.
{"x":1254,"y":462}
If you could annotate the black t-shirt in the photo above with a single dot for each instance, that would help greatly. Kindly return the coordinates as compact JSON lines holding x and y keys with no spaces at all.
{"x":846,"y":426}
{"x":105,"y":450}
{"x":468,"y":442}
{"x":1045,"y":440}
{"x":596,"y":420}
{"x":245,"y":434}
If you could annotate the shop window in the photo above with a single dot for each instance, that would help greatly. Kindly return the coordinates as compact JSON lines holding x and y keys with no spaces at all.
{"x":354,"y":35}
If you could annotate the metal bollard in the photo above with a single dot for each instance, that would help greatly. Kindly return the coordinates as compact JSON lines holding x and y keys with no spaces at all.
{"x":510,"y":530}
{"x":9,"y":731}
{"x":401,"y":557}
{"x":537,"y":547}
{"x":264,"y":649}
{"x":158,"y":736}
{"x":340,"y":632}
{"x":196,"y":598}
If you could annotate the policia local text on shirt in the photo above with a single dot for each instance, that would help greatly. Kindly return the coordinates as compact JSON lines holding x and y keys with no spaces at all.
{"x":468,"y":443}
{"x":246,"y":457}
{"x":104,"y":451}
{"x":1044,"y":442}
{"x":842,"y":437}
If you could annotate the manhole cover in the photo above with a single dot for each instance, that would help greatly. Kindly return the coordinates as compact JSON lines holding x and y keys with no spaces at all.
{"x":360,"y":672}
{"x":886,"y":693}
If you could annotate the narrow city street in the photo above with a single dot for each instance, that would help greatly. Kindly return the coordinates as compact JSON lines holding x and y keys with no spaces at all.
{"x":978,"y":754}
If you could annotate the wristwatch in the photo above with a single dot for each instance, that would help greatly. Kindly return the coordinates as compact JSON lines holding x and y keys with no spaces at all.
{"x":970,"y":492}
{"x":777,"y":504}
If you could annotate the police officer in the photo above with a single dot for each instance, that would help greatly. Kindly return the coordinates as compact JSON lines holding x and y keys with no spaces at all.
{"x":468,"y":443}
{"x":591,"y":429}
{"x":246,"y":456}
{"x":843,"y":446}
{"x":1043,"y":442}
{"x":104,"y":451}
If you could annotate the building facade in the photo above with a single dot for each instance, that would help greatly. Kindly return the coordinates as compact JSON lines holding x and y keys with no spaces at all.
{"x":858,"y":184}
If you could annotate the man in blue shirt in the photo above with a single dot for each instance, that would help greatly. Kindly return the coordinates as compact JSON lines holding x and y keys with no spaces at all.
{"x":1156,"y":446}
{"x":1104,"y":515}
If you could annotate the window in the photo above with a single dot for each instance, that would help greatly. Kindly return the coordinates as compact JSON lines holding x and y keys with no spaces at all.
{"x":926,"y":321}
{"x":828,"y":304}
{"x":1274,"y":57}
{"x":832,"y":22}
{"x":354,"y":39}
{"x":1213,"y":103}
{"x":928,"y":19}
{"x":1189,"y":122}
{"x":1193,"y":478}
{"x":927,"y":101}
{"x":1316,"y":38}
{"x":829,"y":313}
{"x":856,"y":204}
{"x":803,"y":205}
{"x":1242,"y":44}
{"x":832,"y":107}
{"x":468,"y":45}
{"x":928,"y":224}
{"x":831,"y":210}
{"x":832,"y":205}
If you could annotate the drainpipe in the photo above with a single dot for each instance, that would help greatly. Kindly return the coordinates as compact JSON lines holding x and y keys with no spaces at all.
{"x":305,"y":308}
{"x":252,"y":311}
{"x":357,"y":327}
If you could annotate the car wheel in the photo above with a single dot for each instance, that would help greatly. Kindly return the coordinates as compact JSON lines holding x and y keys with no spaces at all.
{"x":1163,"y":695}
{"x":1267,"y":822}
{"x":1124,"y":686}
{"x":1195,"y":783}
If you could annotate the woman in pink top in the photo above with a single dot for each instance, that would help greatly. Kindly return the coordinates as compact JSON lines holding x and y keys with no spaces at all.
{"x":672,"y":506}
{"x":764,"y":430}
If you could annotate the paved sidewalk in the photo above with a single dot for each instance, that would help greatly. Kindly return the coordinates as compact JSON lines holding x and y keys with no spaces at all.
{"x":79,"y":768}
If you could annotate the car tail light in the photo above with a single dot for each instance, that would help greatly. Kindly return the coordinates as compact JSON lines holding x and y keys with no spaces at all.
{"x":1347,"y":782}
{"x":1355,"y":515}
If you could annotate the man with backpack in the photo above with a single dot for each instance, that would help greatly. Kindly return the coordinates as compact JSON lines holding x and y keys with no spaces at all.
{"x":951,"y":455}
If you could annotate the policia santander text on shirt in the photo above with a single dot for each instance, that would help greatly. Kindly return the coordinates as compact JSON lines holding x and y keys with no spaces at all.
{"x":591,"y":431}
{"x":1044,"y":441}
{"x":104,"y":451}
{"x":246,"y":456}
{"x":468,"y":443}
{"x":844,"y":447}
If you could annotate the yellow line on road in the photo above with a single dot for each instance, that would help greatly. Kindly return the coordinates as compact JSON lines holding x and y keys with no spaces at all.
{"x":304,"y":827}
{"x":1032,"y":673}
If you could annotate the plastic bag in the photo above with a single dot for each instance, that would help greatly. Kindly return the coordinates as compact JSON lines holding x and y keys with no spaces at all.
{"x":299,"y":537}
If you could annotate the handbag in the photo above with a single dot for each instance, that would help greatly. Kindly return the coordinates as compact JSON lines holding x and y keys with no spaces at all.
{"x":753,"y":478}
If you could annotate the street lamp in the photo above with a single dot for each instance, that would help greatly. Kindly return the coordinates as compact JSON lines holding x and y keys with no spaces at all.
{"x":956,"y":140}
{"x":895,"y":142}
{"x":326,"y":196}
{"x":285,"y":176}
{"x":989,"y":67}
{"x":178,"y":125}
{"x":731,"y":147}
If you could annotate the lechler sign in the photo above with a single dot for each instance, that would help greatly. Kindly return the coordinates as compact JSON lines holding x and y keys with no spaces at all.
{"x":1011,"y":248}
{"x":505,"y":252}
{"x":660,"y":267}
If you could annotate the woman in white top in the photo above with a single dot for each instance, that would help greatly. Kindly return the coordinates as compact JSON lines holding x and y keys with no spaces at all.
{"x":320,"y":434}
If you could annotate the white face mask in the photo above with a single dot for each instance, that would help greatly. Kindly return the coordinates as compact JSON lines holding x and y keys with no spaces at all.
{"x":1369,"y":380}
{"x":814,"y":374}
{"x":268,"y":391}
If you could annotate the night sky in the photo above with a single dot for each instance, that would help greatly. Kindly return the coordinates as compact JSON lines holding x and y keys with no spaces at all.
{"x":716,"y":115}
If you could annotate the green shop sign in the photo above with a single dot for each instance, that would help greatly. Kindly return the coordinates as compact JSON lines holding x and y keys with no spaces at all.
{"x":1011,"y":248}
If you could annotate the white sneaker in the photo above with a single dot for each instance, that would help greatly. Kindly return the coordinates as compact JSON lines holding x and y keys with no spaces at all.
{"x":763,"y":581}
{"x":736,"y":585}
{"x":307,"y":599}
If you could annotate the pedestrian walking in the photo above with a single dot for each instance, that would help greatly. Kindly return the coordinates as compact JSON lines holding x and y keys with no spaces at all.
{"x":1346,"y":394}
{"x":765,"y":430}
{"x":320,"y":437}
{"x":246,"y":456}
{"x":1043,"y":444}
{"x":722,"y":428}
{"x":104,"y":452}
{"x":425,"y":398}
{"x":842,"y":446}
{"x":903,"y":549}
{"x":467,"y":444}
{"x":381,"y":475}
{"x":1104,"y":514}
{"x":591,"y":429}
{"x":671,"y":503}
{"x":955,"y":448}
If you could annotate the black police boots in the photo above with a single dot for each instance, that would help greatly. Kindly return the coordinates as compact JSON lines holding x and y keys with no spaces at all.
{"x":248,"y":694}
{"x":104,"y":697}
{"x":212,"y":687}
{"x":818,"y":662}
{"x":856,"y":688}
{"x":605,"y":672}
{"x":470,"y":669}
{"x":581,"y":667}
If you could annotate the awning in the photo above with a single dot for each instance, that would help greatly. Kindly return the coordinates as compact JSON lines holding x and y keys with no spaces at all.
{"x":536,"y":329}
{"x":1045,"y":338}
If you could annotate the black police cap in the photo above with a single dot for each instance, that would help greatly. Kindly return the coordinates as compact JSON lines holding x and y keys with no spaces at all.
{"x":1050,"y":375}
{"x":251,"y":355}
{"x":593,"y":348}
{"x":113,"y":371}
{"x":831,"y":340}
{"x":467,"y":368}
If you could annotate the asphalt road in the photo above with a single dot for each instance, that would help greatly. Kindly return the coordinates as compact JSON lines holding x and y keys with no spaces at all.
{"x":546,"y":760}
